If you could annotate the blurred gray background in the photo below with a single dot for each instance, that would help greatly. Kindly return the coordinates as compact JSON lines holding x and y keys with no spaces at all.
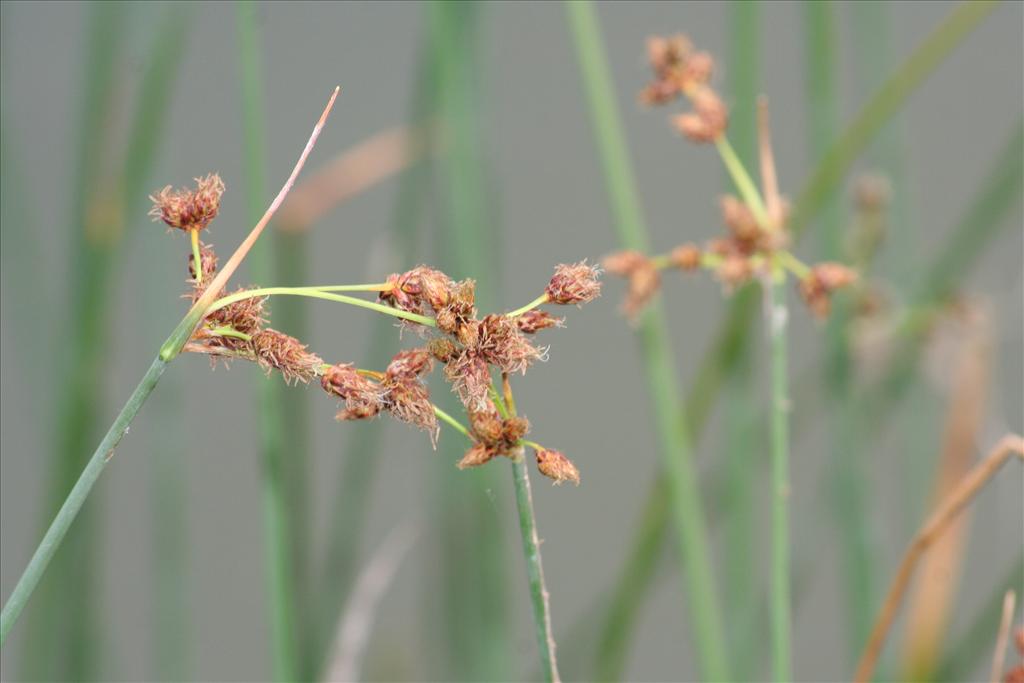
{"x":590,"y":400}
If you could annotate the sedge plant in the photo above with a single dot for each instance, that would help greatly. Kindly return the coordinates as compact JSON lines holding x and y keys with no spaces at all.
{"x":755,"y":249}
{"x":471,"y":348}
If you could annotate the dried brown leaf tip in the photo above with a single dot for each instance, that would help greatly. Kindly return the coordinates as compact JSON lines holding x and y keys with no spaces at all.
{"x":822,"y":281}
{"x":555,"y":466}
{"x":189,"y":209}
{"x":576,"y":283}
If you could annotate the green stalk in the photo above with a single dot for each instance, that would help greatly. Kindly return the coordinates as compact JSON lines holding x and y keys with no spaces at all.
{"x":781,"y":600}
{"x":739,"y":403}
{"x":363,"y":452}
{"x":705,"y":615}
{"x":531,"y":552}
{"x":473,"y":553}
{"x":73,"y":503}
{"x":848,"y":486}
{"x":883,"y":105}
{"x":284,"y":624}
{"x":65,"y":619}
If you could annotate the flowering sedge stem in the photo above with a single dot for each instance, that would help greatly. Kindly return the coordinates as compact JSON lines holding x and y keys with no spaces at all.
{"x":742,"y":180}
{"x":197,"y":260}
{"x":375,"y":287}
{"x":453,"y":423}
{"x":531,"y":551}
{"x":73,"y":503}
{"x":787,"y":260}
{"x":315,"y":293}
{"x":230,"y":332}
{"x":781,"y":619}
{"x":542,"y":299}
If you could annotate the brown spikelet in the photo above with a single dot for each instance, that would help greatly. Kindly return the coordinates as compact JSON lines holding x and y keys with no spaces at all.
{"x":825,"y":278}
{"x":408,"y":400}
{"x":734,"y":270}
{"x":487,"y":425}
{"x":623,"y":262}
{"x":686,"y":257}
{"x":513,"y":429}
{"x":442,"y":349}
{"x":575,"y":283}
{"x":363,"y":397}
{"x":246,"y":316}
{"x":278,"y":351}
{"x":409,"y":364}
{"x":554,"y":465}
{"x":188,"y":209}
{"x":501,"y":344}
{"x":470,"y":377}
{"x":477,"y":455}
{"x":644,"y":283}
{"x":532,"y":322}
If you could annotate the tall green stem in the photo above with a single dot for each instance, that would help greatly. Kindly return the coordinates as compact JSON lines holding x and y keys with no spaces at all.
{"x":673,"y":434}
{"x":781,"y":605}
{"x":281,"y":587}
{"x":539,"y":597}
{"x":74,"y":501}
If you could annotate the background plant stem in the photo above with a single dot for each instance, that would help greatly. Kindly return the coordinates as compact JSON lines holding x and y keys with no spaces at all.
{"x":473,"y":561}
{"x":847,"y":486}
{"x":285,"y":628}
{"x":781,"y":600}
{"x":696,"y":560}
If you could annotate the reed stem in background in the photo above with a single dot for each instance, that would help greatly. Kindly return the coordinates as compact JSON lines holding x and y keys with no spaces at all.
{"x":740,"y":393}
{"x":687,"y":509}
{"x":934,"y":526}
{"x":884,"y":103}
{"x":64,"y":619}
{"x":781,"y":605}
{"x":361,"y":454}
{"x":285,"y":625}
{"x":473,"y":554}
{"x":847,"y":483}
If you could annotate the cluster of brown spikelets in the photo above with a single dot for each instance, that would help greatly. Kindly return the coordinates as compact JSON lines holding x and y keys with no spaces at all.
{"x":750,"y":247}
{"x":469,"y":346}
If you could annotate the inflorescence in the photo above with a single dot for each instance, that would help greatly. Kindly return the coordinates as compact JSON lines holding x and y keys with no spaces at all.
{"x":443,"y":311}
{"x":756,"y":241}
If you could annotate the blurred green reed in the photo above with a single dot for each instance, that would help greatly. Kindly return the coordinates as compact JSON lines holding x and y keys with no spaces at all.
{"x":286,"y":625}
{"x":685,"y":499}
{"x":362,"y":453}
{"x":103,"y":205}
{"x":719,"y":360}
{"x":847,"y":488}
{"x":739,"y":394}
{"x":473,"y":558}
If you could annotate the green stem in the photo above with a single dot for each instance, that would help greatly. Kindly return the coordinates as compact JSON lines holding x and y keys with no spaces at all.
{"x":542,"y":299}
{"x":452,"y":422}
{"x":673,"y":434}
{"x":314,"y":293}
{"x":73,"y":503}
{"x":781,"y":618}
{"x":281,"y":559}
{"x":746,"y":186}
{"x":531,"y":552}
{"x":197,"y":259}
